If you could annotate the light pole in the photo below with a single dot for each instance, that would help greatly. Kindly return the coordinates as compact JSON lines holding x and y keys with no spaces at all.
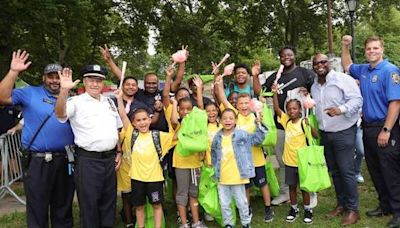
{"x":351,"y":6}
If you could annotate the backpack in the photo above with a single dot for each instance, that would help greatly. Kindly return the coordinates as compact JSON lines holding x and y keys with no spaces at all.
{"x":157,"y":144}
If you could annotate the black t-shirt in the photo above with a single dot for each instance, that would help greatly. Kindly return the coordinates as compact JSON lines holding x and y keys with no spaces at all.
{"x":8,"y":118}
{"x":149,"y":99}
{"x":305,"y":78}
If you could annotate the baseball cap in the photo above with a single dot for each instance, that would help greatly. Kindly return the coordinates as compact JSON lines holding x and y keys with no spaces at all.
{"x":52,"y":67}
{"x":94,"y":71}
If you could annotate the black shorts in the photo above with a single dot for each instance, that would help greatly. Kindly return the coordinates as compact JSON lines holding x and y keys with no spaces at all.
{"x":260,"y":180}
{"x":153,"y":191}
{"x":291,"y":175}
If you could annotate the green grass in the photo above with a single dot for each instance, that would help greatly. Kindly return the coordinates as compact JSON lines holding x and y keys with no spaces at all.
{"x":326,"y":202}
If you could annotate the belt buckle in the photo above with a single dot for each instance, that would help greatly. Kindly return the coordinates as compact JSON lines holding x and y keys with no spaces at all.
{"x":48,"y":157}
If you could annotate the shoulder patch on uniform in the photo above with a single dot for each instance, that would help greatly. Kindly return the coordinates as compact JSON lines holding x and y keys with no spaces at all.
{"x":395,"y":78}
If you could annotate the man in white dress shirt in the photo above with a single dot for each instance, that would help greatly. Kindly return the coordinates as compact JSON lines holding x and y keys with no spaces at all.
{"x":94,"y":121}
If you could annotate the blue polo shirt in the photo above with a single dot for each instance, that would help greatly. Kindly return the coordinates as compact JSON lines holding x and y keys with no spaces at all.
{"x":37,"y":103}
{"x":379,"y":86}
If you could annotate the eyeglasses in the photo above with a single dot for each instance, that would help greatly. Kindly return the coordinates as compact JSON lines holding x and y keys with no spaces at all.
{"x":320,"y":62}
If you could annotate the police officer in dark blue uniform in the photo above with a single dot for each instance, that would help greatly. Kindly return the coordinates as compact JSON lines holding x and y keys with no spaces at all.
{"x":47,"y":183}
{"x":380,"y":88}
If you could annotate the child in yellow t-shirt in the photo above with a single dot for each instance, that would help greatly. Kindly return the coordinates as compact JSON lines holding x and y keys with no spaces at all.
{"x":233,"y":163}
{"x":213,"y":126}
{"x":294,"y":139}
{"x":146,"y":173}
{"x":247,"y":121}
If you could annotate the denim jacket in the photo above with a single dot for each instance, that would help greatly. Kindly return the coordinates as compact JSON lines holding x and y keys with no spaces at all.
{"x":241,"y":142}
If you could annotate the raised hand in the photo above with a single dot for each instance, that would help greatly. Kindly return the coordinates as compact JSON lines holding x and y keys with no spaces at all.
{"x":66,"y":79}
{"x":105,"y":52}
{"x":197,"y":81}
{"x":256,"y":68}
{"x":118,"y":93}
{"x":275,"y":88}
{"x":171,"y":70}
{"x":346,"y":40}
{"x":18,"y":61}
{"x":215,"y":69}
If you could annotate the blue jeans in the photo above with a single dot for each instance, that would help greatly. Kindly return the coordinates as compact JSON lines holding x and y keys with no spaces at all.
{"x":339,"y":150}
{"x":225,"y":193}
{"x":359,"y":151}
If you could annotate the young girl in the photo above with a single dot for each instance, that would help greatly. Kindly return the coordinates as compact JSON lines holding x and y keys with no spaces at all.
{"x":294,"y":139}
{"x":247,"y":121}
{"x":213,"y":126}
{"x":233,"y":162}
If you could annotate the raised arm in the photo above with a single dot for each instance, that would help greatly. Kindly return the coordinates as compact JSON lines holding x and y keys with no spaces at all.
{"x":275,"y":101}
{"x":105,"y":53}
{"x":121,"y":109}
{"x":219,"y":89}
{"x":174,"y":114}
{"x":165,"y":93}
{"x":346,"y":57}
{"x":255,"y":71}
{"x":199,"y":87}
{"x":181,"y":71}
{"x":18,"y":65}
{"x":66,"y":85}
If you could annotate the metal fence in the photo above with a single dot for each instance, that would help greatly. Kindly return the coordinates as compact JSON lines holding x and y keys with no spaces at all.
{"x":11,"y":169}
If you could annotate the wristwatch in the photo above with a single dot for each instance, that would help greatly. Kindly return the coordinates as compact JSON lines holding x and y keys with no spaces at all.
{"x":385,"y":129}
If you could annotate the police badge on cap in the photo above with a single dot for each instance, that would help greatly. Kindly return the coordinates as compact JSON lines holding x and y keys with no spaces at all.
{"x":52,"y":68}
{"x":94,"y":71}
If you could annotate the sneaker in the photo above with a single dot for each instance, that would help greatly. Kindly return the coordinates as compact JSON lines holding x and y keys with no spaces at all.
{"x":250,"y":212}
{"x":199,"y":224}
{"x":228,"y":226}
{"x":308,"y":216}
{"x":360,"y":179}
{"x":208,"y":217}
{"x":269,"y":215}
{"x":246,"y":226}
{"x":293,"y":214}
{"x":184,"y":225}
{"x":280,"y":199}
{"x":313,"y":199}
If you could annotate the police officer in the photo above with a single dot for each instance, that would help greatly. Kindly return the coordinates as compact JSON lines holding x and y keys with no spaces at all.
{"x":380,"y":88}
{"x":46,"y":181}
{"x":95,"y":121}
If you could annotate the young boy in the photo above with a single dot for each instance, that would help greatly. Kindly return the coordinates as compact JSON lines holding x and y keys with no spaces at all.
{"x":146,"y":172}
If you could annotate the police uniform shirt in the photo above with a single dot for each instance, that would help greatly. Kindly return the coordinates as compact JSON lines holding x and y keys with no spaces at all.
{"x":94,"y":122}
{"x":379,"y":86}
{"x":37,"y":103}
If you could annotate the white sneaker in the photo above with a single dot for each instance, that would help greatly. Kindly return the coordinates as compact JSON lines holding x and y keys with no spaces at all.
{"x":360,"y":179}
{"x":199,"y":224}
{"x":313,"y":199}
{"x":208,"y":217}
{"x":280,"y":199}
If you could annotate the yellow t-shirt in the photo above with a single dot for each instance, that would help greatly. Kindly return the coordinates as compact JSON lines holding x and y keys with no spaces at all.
{"x":212,"y":131}
{"x":123,"y":178}
{"x":145,"y":164}
{"x":294,"y":139}
{"x":248,"y":124}
{"x":229,"y":170}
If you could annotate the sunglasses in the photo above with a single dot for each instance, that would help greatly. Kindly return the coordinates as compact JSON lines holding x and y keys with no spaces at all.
{"x":320,"y":62}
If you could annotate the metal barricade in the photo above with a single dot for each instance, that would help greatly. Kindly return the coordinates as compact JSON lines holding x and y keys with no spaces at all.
{"x":11,"y":168}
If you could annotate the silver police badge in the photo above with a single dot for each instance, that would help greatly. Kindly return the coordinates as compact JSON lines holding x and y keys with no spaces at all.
{"x":395,"y":78}
{"x":375,"y":78}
